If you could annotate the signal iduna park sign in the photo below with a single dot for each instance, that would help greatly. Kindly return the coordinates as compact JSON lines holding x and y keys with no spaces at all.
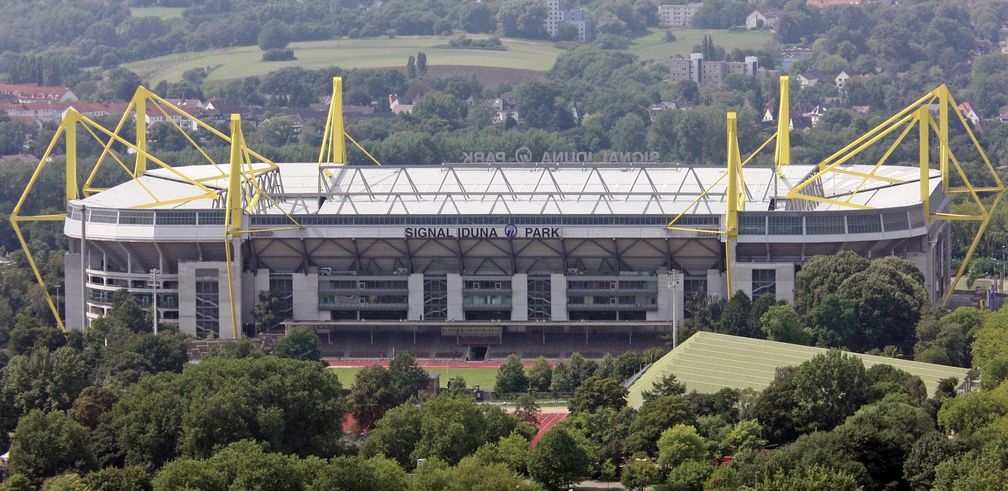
{"x":510,"y":231}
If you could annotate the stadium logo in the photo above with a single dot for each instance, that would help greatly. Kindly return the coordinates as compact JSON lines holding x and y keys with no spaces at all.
{"x":511,"y":231}
{"x":523,"y":154}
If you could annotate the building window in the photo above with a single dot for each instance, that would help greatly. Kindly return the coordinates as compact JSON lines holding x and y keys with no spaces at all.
{"x":864,"y":224}
{"x":283,"y":286}
{"x":207,"y":303}
{"x":539,"y":299}
{"x":824,"y":225}
{"x":896,"y":220}
{"x":764,"y":282}
{"x":749,"y":225}
{"x":785,"y":225}
{"x":435,"y":299}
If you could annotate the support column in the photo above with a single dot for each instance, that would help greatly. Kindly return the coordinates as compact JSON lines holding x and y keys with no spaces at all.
{"x":72,"y":296}
{"x":140,"y":107}
{"x":306,"y":298}
{"x":415,"y":284}
{"x":455,"y":297}
{"x":519,"y":297}
{"x":558,"y":297}
{"x":716,"y":285}
{"x":187,"y":297}
{"x":925,"y":162}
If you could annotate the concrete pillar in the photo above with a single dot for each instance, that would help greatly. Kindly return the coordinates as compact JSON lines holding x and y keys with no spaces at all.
{"x":262,"y":280}
{"x":670,"y":293}
{"x":415,"y":297}
{"x":306,"y":297}
{"x":558,"y":297}
{"x":519,"y":297}
{"x":71,"y":293}
{"x":455,"y":297}
{"x":187,"y":297}
{"x":742,"y":277}
{"x":249,"y":297}
{"x":716,"y":283}
{"x":785,"y":282}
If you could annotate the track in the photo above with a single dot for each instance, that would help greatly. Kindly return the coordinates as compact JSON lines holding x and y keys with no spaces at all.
{"x":546,"y":422}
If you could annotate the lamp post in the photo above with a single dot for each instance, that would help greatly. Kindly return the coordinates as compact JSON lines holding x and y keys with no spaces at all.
{"x":154,"y":280}
{"x":674,"y":280}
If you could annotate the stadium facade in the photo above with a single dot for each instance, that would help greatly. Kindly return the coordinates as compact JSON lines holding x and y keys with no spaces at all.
{"x":481,"y":251}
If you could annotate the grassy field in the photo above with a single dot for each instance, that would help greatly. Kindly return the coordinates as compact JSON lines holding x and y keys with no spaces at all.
{"x":162,"y":12}
{"x":485,"y":377}
{"x":654,"y":47}
{"x":246,"y":61}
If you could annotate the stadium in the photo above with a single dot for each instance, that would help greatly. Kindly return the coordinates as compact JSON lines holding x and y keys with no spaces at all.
{"x":481,"y":259}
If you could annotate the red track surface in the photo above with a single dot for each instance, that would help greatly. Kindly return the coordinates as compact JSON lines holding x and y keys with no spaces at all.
{"x":546,"y":422}
{"x":423,"y":363}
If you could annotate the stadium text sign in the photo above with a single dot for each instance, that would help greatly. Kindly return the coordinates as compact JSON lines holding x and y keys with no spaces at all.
{"x":510,"y":232}
{"x":523,"y":154}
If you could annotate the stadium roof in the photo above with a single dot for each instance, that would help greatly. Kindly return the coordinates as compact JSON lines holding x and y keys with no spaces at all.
{"x":708,"y":362}
{"x":512,"y":189}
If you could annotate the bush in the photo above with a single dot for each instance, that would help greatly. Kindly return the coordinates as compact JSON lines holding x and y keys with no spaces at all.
{"x":279,"y":54}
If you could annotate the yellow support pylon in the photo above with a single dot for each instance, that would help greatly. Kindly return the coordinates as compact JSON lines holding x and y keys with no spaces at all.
{"x":782,"y":153}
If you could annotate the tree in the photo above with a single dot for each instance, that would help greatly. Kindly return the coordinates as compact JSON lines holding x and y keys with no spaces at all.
{"x":886,"y":379}
{"x":812,"y":478}
{"x":121,"y":83}
{"x":628,"y":134}
{"x":536,"y":100}
{"x":129,"y":478}
{"x":558,"y":460}
{"x":371,"y":395}
{"x":46,"y":380}
{"x":273,"y":36}
{"x":889,"y":299}
{"x":526,"y":409}
{"x":293,"y":406}
{"x":827,"y":389}
{"x":781,"y":323}
{"x":655,"y":416}
{"x":927,"y":452}
{"x":596,"y":393}
{"x":638,"y":474}
{"x":450,"y":429}
{"x":689,"y":475}
{"x":268,"y":311}
{"x":834,"y":322}
{"x":395,"y":435}
{"x":47,"y":444}
{"x":522,"y":18}
{"x":511,"y":376}
{"x":470,"y":473}
{"x":667,"y":386}
{"x":735,"y":317}
{"x":679,"y":444}
{"x":881,"y":435}
{"x":744,"y":436}
{"x":823,"y":275}
{"x":300,"y":343}
{"x":540,"y":375}
{"x":407,"y":377}
{"x":411,"y":71}
{"x":439,"y":105}
{"x":421,"y":63}
{"x":188,"y":474}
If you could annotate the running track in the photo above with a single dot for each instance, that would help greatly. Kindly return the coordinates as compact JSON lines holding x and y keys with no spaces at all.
{"x":422,"y":363}
{"x":546,"y":422}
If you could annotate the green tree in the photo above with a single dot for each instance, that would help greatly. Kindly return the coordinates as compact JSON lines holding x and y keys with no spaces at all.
{"x":638,"y":474}
{"x":451,"y":428}
{"x":411,"y":70}
{"x":812,"y":478}
{"x":395,"y":435}
{"x":440,"y":106}
{"x":834,"y":322}
{"x":188,"y":474}
{"x":372,"y":395}
{"x":679,"y":444}
{"x":540,"y":375}
{"x":823,"y":275}
{"x":629,"y":133}
{"x":129,"y":478}
{"x":655,"y":416}
{"x":300,"y":343}
{"x":781,"y":323}
{"x":268,"y":312}
{"x":596,"y":393}
{"x":511,"y":376}
{"x":536,"y":101}
{"x":421,"y":63}
{"x":46,"y":380}
{"x":470,"y":473}
{"x":735,"y":317}
{"x":927,"y":452}
{"x":827,"y":389}
{"x":881,"y":435}
{"x":407,"y":377}
{"x":889,"y":299}
{"x":273,"y":36}
{"x":669,"y":385}
{"x":526,"y":409}
{"x":558,"y":460}
{"x":47,"y":444}
{"x":522,"y":18}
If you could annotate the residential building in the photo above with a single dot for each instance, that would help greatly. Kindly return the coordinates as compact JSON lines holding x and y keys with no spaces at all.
{"x":558,"y":19}
{"x":830,"y":3}
{"x":28,"y":93}
{"x":841,"y":81}
{"x":397,"y":107}
{"x":710,"y":72}
{"x":52,"y":112}
{"x":763,"y":19}
{"x":810,"y":78}
{"x":654,"y":109}
{"x":677,"y":15}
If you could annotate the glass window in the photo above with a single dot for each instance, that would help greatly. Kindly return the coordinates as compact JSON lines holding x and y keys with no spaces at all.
{"x":863,"y":224}
{"x":207,"y":307}
{"x":539,"y":298}
{"x":824,"y":224}
{"x":752,"y":225}
{"x":764,"y":282}
{"x":895,"y":220}
{"x":785,"y":225}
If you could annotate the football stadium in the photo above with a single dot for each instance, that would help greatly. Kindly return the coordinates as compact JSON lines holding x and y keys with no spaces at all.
{"x":482,"y":259}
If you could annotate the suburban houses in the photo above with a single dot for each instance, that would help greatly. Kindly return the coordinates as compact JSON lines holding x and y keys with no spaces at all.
{"x":703,"y":72}
{"x":31,"y":93}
